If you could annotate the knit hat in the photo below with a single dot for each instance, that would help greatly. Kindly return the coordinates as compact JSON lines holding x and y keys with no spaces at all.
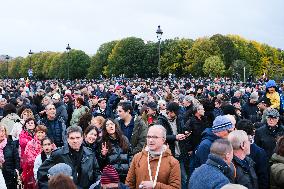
{"x":109,"y":175}
{"x":270,"y":83}
{"x":272,"y":113}
{"x":60,"y":168}
{"x":221,"y":123}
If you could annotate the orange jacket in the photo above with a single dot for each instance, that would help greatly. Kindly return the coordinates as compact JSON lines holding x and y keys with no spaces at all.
{"x":169,"y":174}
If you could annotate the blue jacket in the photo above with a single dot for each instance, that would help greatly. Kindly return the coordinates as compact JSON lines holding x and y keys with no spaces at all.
{"x":203,"y":150}
{"x":214,"y":174}
{"x":258,"y":155}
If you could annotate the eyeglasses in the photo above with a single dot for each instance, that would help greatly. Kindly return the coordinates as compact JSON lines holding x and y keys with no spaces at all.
{"x":153,"y":137}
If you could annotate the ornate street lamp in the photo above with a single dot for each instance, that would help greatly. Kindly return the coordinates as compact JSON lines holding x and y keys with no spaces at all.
{"x":68,"y":48}
{"x":7,"y":61}
{"x":159,"y":33}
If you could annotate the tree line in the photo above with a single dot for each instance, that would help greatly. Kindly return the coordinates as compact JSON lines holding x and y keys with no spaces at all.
{"x":218,"y":55}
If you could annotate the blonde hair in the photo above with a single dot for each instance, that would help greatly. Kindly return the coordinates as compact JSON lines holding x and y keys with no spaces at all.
{"x":29,"y":112}
{"x":100,"y":119}
{"x":5,"y":130}
{"x":237,"y":138}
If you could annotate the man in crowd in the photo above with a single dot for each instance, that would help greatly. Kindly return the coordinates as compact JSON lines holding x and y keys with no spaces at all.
{"x":245,"y":173}
{"x":176,"y":136}
{"x":216,"y":172}
{"x":134,"y":129}
{"x":56,"y":127}
{"x":221,"y":128}
{"x":61,"y":110}
{"x":154,"y":167}
{"x":85,"y":169}
{"x":266,"y":136}
{"x":250,"y":109}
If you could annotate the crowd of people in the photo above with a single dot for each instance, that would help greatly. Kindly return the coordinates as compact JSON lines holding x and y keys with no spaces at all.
{"x":171,"y":133}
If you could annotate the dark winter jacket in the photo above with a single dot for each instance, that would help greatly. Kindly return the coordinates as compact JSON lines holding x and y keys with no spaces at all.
{"x":265,"y":137}
{"x":203,"y":150}
{"x":12,"y":162}
{"x":61,"y":110}
{"x":118,"y":158}
{"x":214,"y":174}
{"x":171,"y":138}
{"x":56,"y":130}
{"x":85,"y":171}
{"x":249,"y":111}
{"x":245,"y":173}
{"x":196,"y":127}
{"x":258,"y":155}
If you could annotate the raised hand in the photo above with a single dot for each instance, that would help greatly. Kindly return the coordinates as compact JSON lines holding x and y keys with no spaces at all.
{"x":104,"y":149}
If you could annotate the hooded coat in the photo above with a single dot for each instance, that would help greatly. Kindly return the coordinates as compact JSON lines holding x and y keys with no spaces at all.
{"x":277,"y":172}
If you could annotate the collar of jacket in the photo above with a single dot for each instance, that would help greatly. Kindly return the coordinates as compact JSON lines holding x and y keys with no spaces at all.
{"x":241,"y":163}
{"x":167,"y":152}
{"x":219,"y":163}
{"x":86,"y":151}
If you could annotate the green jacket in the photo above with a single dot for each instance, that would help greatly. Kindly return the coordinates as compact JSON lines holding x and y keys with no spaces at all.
{"x":77,"y":114}
{"x":277,"y":172}
{"x":138,"y":138}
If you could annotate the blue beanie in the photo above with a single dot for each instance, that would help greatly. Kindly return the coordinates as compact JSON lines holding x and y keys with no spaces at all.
{"x":270,"y":83}
{"x":221,"y":123}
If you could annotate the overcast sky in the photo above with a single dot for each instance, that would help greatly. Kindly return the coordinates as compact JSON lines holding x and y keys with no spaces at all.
{"x":48,"y":25}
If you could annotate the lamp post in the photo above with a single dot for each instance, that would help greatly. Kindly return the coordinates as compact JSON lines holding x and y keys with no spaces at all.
{"x":30,"y":53}
{"x":159,"y":33}
{"x":7,"y":60}
{"x":68,"y":48}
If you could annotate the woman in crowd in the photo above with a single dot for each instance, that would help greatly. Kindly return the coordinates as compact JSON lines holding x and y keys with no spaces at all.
{"x":80,"y":110}
{"x":98,"y":122}
{"x":9,"y":159}
{"x":91,"y":138}
{"x":26,"y":135}
{"x":32,"y":149}
{"x":277,"y":168}
{"x":115,"y":148}
{"x":24,"y":113}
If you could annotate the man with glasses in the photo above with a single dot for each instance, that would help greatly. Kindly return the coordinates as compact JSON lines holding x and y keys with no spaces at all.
{"x":154,"y":167}
{"x":265,"y":136}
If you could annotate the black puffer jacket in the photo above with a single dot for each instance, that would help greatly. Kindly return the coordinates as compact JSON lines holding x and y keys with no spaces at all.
{"x":245,"y":173}
{"x":12,"y":162}
{"x":118,"y":158}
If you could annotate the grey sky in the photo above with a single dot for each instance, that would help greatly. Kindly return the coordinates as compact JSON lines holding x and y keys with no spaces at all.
{"x":42,"y":25}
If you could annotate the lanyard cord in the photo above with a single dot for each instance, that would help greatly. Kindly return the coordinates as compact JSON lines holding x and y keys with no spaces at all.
{"x":157,"y":171}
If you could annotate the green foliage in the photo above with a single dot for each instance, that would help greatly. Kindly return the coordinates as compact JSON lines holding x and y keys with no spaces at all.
{"x":100,"y":60}
{"x":214,"y":66}
{"x":131,"y":56}
{"x":195,"y":57}
{"x":127,"y":58}
{"x":173,"y":55}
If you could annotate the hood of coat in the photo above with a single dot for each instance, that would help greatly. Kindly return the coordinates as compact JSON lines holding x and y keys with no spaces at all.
{"x":277,"y":158}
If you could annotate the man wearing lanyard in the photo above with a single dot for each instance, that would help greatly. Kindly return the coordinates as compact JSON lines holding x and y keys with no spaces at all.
{"x":154,"y":167}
